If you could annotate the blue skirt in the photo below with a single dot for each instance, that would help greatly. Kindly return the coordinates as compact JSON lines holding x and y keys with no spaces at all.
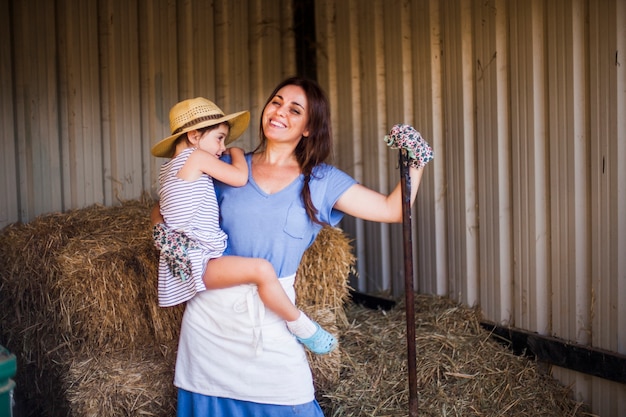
{"x":197,"y":405}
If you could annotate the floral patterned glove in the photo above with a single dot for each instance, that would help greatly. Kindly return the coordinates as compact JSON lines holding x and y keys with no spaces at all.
{"x":406,"y":137}
{"x":173,"y":246}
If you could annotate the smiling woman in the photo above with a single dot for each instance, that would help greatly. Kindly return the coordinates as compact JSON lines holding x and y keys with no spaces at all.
{"x":220,"y":369}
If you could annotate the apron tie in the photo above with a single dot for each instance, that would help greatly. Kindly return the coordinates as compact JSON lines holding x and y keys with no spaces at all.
{"x":256,"y":309}
{"x":257,"y":325}
{"x":256,"y":313}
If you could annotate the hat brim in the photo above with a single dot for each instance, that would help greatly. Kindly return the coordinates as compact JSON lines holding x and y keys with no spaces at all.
{"x":238,"y":124}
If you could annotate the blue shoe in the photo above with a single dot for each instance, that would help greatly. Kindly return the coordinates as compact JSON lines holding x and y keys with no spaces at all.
{"x":321,"y":343}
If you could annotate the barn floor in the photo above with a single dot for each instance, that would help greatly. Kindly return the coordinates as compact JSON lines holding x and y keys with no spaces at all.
{"x":461,"y":369}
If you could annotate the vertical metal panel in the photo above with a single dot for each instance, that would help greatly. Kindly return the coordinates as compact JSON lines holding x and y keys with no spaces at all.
{"x":603,"y":155}
{"x":338,"y":36}
{"x":581,"y":174}
{"x":493,"y":159}
{"x":560,"y":154}
{"x":504,"y":252}
{"x":198,"y":55}
{"x":607,"y":170}
{"x":343,"y":41}
{"x":453,"y":160}
{"x":396,"y":92}
{"x":352,"y":91}
{"x":529,"y":179}
{"x":620,"y":181}
{"x":79,"y":105}
{"x":581,"y":196}
{"x":119,"y":54}
{"x":36,"y":112}
{"x":439,"y":165}
{"x":272,"y":57}
{"x":569,"y":170}
{"x":128,"y":169}
{"x":617,"y":394}
{"x":459,"y":123}
{"x":470,"y":283}
{"x":539,"y":282}
{"x":9,"y":178}
{"x":374,"y":108}
{"x":159,"y":79}
{"x":231,"y":61}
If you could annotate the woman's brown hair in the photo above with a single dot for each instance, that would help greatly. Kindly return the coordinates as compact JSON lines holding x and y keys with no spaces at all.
{"x":315,"y":148}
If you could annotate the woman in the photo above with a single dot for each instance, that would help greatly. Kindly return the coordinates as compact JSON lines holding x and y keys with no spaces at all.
{"x":234,"y":358}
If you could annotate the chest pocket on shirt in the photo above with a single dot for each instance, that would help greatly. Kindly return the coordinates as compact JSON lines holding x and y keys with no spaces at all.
{"x":297,"y":222}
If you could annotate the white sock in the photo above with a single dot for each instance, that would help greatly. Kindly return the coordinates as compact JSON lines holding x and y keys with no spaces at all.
{"x":303,"y":326}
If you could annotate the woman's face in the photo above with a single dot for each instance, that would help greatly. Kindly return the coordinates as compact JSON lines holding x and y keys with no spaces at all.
{"x":286,"y":116}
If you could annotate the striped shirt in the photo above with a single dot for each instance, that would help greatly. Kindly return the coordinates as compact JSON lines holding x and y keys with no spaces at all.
{"x":189,"y":207}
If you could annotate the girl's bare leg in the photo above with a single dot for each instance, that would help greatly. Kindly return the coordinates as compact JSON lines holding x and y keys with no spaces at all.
{"x":229,"y":271}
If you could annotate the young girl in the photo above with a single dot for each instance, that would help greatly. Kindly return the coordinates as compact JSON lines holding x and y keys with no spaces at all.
{"x":200,"y":133}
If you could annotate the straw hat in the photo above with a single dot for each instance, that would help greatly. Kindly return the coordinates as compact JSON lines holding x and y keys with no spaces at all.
{"x":197,"y":113}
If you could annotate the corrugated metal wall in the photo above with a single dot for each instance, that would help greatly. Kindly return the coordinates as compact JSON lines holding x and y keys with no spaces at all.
{"x":523,"y":210}
{"x":87,"y":86}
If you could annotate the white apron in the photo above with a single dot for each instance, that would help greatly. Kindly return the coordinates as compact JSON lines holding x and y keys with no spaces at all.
{"x":231,"y":346}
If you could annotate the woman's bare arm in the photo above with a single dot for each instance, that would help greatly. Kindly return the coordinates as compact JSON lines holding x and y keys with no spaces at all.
{"x":365,"y":203}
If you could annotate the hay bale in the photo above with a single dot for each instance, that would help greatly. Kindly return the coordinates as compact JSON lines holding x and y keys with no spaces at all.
{"x":322,"y":290}
{"x":323,"y":271}
{"x":78,"y":306}
{"x":75,"y":285}
{"x":102,"y":277}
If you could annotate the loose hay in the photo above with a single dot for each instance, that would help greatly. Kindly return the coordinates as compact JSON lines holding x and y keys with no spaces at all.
{"x":78,"y":307}
{"x":461,"y":370}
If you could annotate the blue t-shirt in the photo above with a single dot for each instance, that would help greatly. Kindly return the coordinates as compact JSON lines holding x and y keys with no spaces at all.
{"x":275,"y":226}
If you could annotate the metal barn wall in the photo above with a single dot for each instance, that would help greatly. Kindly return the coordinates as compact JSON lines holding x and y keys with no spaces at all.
{"x":87,"y":87}
{"x":523,"y":210}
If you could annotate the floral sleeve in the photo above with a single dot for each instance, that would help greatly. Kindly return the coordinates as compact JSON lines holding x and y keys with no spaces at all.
{"x":173,"y":246}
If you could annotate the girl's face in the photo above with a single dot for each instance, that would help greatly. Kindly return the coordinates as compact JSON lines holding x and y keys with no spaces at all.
{"x":212,"y":140}
{"x":286,"y":116}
